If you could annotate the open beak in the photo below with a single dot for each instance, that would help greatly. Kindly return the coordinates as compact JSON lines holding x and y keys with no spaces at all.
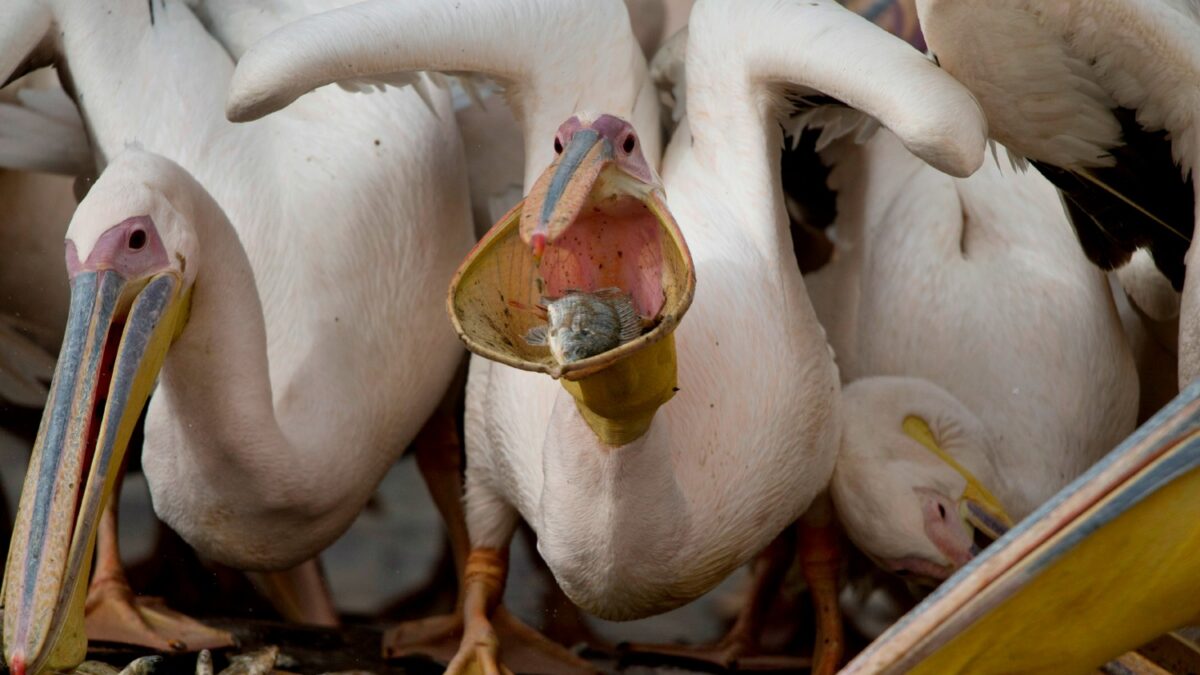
{"x":560,"y":194}
{"x":586,"y":225}
{"x":117,"y":335}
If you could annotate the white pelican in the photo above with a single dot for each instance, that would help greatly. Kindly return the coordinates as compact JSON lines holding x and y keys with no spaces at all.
{"x":306,"y":353}
{"x":552,"y":57}
{"x":1151,"y":324}
{"x":41,"y":133}
{"x":1102,"y":98}
{"x":979,"y":286}
{"x":1054,"y":596}
{"x":750,"y":438}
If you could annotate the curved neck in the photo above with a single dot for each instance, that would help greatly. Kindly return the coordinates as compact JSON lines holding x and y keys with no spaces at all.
{"x":213,"y":436}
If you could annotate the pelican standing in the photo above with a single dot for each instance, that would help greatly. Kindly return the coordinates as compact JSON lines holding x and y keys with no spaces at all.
{"x":299,"y":353}
{"x":551,"y":57}
{"x":751,"y":435}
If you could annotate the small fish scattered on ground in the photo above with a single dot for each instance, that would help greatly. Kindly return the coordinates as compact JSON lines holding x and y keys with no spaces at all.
{"x":142,"y":666}
{"x":582,"y":324}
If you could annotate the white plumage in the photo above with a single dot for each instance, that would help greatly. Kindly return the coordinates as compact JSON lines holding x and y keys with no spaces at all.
{"x":350,"y":223}
{"x":1050,"y":77}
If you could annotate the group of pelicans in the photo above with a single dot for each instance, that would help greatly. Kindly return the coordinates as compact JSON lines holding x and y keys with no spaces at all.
{"x":265,"y":260}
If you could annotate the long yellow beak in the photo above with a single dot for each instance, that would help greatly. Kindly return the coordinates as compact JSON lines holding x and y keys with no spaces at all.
{"x":118,"y":332}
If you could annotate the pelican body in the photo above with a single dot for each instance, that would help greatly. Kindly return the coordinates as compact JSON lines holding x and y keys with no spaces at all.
{"x":979,"y":286}
{"x":299,"y":350}
{"x":1101,"y":98}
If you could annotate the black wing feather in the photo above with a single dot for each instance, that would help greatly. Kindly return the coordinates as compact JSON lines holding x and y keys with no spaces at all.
{"x":1141,"y":202}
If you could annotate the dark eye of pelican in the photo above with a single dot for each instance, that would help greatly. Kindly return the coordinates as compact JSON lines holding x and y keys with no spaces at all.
{"x":629,"y":144}
{"x":942,"y":511}
{"x":137,"y":239}
{"x":557,"y":146}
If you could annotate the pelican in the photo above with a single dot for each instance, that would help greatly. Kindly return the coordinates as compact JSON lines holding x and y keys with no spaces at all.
{"x":297,"y":352}
{"x":979,"y":287}
{"x":749,"y":439}
{"x":551,"y":58}
{"x":1069,"y":588}
{"x":1101,"y":98}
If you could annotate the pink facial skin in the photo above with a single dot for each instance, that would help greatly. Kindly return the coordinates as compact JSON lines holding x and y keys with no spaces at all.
{"x":131,"y":248}
{"x":945,"y":528}
{"x":618,"y":246}
{"x":627,"y":149}
{"x":614,"y":242}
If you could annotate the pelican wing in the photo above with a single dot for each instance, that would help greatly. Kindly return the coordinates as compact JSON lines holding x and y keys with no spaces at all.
{"x":1102,"y":97}
{"x":40,"y":130}
{"x":831,"y":55}
{"x":25,"y":368}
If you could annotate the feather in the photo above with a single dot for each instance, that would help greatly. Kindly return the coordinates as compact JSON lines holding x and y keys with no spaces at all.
{"x":1140,"y":201}
{"x":25,"y":368}
{"x":42,"y":131}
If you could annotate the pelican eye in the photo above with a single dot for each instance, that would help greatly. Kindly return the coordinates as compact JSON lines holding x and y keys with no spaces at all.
{"x":557,"y":146}
{"x":629,"y":144}
{"x":137,"y":239}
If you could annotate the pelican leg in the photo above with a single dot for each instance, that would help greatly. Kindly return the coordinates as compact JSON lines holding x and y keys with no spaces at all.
{"x":821,"y":562}
{"x":740,"y":647}
{"x":299,"y":594}
{"x":115,"y":614}
{"x":470,"y":638}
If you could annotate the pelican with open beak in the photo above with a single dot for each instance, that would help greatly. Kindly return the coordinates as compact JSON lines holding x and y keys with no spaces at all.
{"x":596,"y":220}
{"x":128,"y":302}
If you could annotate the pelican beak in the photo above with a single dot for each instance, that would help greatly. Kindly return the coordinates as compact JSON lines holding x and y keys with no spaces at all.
{"x":977,"y":506}
{"x":117,"y":335}
{"x":595,"y":219}
{"x":983,"y":512}
{"x":563,"y":190}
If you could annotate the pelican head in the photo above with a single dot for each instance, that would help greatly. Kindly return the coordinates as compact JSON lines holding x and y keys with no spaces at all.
{"x":130,"y":253}
{"x":594,"y":222}
{"x":901,"y":486}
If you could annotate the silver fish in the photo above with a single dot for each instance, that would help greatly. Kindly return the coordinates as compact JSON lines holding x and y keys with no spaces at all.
{"x":94,"y":668}
{"x":583,"y":324}
{"x":204,"y":664}
{"x":259,"y":662}
{"x":142,"y":666}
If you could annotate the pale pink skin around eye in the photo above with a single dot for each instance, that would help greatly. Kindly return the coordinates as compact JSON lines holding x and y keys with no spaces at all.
{"x":131,"y":248}
{"x":944,"y":527}
{"x":627,"y":148}
{"x":619,"y":246}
